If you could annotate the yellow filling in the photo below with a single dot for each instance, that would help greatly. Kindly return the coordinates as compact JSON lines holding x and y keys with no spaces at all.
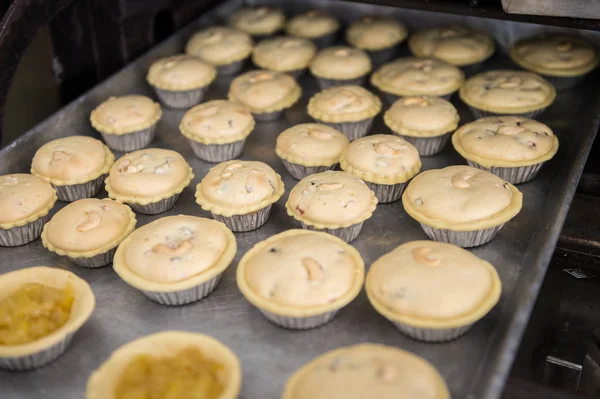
{"x":32,"y":312}
{"x":186,"y":375}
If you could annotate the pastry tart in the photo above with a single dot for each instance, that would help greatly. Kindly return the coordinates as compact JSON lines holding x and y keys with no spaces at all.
{"x":340,"y":66}
{"x":259,"y":21}
{"x":379,"y":35}
{"x":316,"y":25}
{"x":284,"y":54}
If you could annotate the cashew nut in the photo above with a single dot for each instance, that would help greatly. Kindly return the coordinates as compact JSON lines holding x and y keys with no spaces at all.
{"x":131,"y":110}
{"x":213,"y":37}
{"x":460,"y":180}
{"x":319,"y":134}
{"x":415,"y":101}
{"x":330,"y":186}
{"x":510,"y":130}
{"x":386,"y":149}
{"x":261,"y":76}
{"x":166,"y":249}
{"x":10,"y":180}
{"x":564,"y":46}
{"x":289,"y":43}
{"x":92,"y":219}
{"x":386,"y":372}
{"x":421,"y":255}
{"x":171,"y":62}
{"x":342,"y":52}
{"x":511,"y":83}
{"x":60,"y":156}
{"x":122,"y":168}
{"x":313,"y":269}
{"x":449,"y":33}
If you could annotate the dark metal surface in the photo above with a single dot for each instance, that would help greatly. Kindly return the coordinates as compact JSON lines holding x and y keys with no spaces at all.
{"x":475,"y":365}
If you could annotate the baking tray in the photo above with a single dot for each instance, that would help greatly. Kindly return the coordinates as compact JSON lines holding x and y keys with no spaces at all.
{"x":475,"y":365}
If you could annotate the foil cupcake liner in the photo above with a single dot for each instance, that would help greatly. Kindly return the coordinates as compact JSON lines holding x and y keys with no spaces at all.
{"x":427,"y":146}
{"x":325,"y":40}
{"x":130,"y":141}
{"x":299,"y":323}
{"x":380,"y":57}
{"x":387,"y":193}
{"x":217,"y":152}
{"x":231,"y":69}
{"x":155,"y":207}
{"x":38,"y":359}
{"x":74,"y":192}
{"x":479,"y":113}
{"x":267,"y":116}
{"x":96,"y":261}
{"x":564,"y":83}
{"x":392,"y":98}
{"x":299,"y":171}
{"x":325,"y":83}
{"x":464,"y":239}
{"x":185,"y":296}
{"x":352,"y":130}
{"x":180,"y":99}
{"x":432,"y":334}
{"x":347,"y":234}
{"x":21,"y":235}
{"x":515,"y":175}
{"x":247,"y":222}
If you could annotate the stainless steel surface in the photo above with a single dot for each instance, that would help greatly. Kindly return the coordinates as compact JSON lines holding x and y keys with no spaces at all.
{"x":475,"y":365}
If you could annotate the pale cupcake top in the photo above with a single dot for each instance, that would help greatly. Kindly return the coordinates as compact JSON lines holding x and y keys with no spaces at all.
{"x":148,"y":175}
{"x":88,"y":225}
{"x":331,"y":198}
{"x":120,"y":115}
{"x":72,"y":160}
{"x":311,"y":144}
{"x":411,"y":76}
{"x":507,"y":91}
{"x":381,"y":159}
{"x":217,"y":122}
{"x":432,"y":282}
{"x":220,"y":45}
{"x":180,"y":72}
{"x":421,"y":116}
{"x":312,"y":25}
{"x":340,"y":62}
{"x":260,"y":20}
{"x":24,"y":196}
{"x":264,"y":91}
{"x":284,"y":53}
{"x":508,"y":141}
{"x":367,"y":371}
{"x":344,"y":104}
{"x":457,"y":44}
{"x":555,"y":55}
{"x":460,"y":196}
{"x":375,"y":33}
{"x":301,"y":269}
{"x":239,"y":187}
{"x":175,"y":248}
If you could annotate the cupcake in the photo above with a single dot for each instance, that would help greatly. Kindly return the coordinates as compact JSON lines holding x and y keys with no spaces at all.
{"x":314,"y":25}
{"x":217,"y":130}
{"x":349,"y":109}
{"x":432,"y":291}
{"x":337,"y":203}
{"x":461,"y":205}
{"x":340,"y":66}
{"x":563,"y":60}
{"x":284,"y":54}
{"x":267,"y":94}
{"x":378,"y":35}
{"x":240,"y":193}
{"x":366,"y":371}
{"x":424,"y":121}
{"x":506,"y":92}
{"x":176,"y":259}
{"x":458,"y":45}
{"x":300,"y":279}
{"x":385,"y":162}
{"x":310,"y":148}
{"x":126,"y":123}
{"x":41,"y":309}
{"x":260,"y":21}
{"x":221,"y":46}
{"x":88,"y":231}
{"x":76,"y":166}
{"x":511,"y":147}
{"x":180,"y":80}
{"x":176,"y":362}
{"x":416,"y":76}
{"x":150,"y":181}
{"x":25,"y":201}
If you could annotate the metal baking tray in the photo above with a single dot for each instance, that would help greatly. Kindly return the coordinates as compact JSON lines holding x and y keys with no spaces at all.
{"x":475,"y":365}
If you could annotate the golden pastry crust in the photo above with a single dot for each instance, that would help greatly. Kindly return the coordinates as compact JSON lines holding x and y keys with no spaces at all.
{"x":81,"y":310}
{"x":311,"y":144}
{"x":259,"y":20}
{"x":80,"y":220}
{"x":124,"y":271}
{"x":255,"y":89}
{"x":381,"y":159}
{"x":33,"y":196}
{"x":299,"y":311}
{"x":103,"y":381}
{"x":344,"y":104}
{"x":180,"y":73}
{"x":312,"y":25}
{"x":127,"y":114}
{"x":284,"y":53}
{"x":375,"y":33}
{"x":220,"y":45}
{"x":427,"y":258}
{"x":340,"y":63}
{"x":421,"y":116}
